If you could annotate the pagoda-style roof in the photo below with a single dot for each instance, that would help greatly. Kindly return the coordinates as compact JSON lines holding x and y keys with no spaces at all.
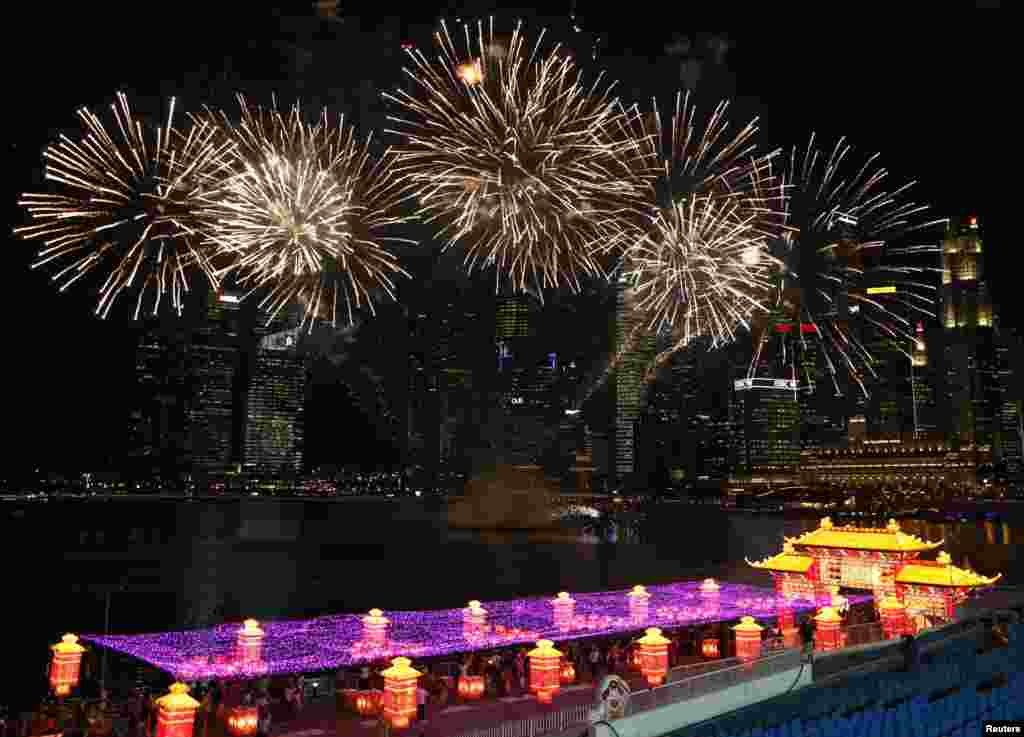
{"x":788,"y":561}
{"x":889,"y":539}
{"x":942,"y":572}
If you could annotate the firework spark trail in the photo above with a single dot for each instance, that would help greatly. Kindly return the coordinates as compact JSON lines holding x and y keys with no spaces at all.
{"x":130,"y":202}
{"x":305,"y":214}
{"x":836,"y":214}
{"x":516,"y":160}
{"x":700,"y":261}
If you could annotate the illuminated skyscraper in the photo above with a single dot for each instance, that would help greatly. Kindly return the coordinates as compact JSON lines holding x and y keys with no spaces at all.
{"x":923,"y":385}
{"x":974,"y":383}
{"x":158,"y":419}
{"x":965,"y":299}
{"x":637,"y":347}
{"x":771,"y":414}
{"x":214,"y":416}
{"x":275,"y":401}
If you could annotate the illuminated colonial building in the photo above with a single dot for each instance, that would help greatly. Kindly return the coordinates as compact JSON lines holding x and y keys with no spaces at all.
{"x":920,"y":460}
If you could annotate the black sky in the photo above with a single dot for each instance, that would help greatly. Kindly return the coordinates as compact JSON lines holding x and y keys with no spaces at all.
{"x":934,"y":95}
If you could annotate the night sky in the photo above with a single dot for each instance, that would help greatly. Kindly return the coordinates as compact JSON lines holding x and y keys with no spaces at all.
{"x":934,"y":96}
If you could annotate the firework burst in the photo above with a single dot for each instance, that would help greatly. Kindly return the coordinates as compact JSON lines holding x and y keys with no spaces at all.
{"x":305,"y":214}
{"x":130,"y":204}
{"x":518,"y":161}
{"x":702,"y":264}
{"x":849,"y":275}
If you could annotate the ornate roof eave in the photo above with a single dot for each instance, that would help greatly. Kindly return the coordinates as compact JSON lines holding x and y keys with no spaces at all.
{"x":967,"y":580}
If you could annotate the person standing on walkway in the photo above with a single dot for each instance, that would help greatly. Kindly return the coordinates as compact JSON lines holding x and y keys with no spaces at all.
{"x":422,"y":695}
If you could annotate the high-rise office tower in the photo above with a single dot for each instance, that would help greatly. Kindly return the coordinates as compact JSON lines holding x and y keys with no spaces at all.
{"x":634,"y":348}
{"x":275,"y":400}
{"x":974,"y":384}
{"x":770,"y":396}
{"x":158,"y":419}
{"x":215,"y":413}
{"x":923,"y":384}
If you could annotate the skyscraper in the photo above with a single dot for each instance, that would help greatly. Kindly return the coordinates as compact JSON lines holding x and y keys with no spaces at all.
{"x":275,"y":403}
{"x":634,"y":348}
{"x":974,"y":385}
{"x":216,"y":398}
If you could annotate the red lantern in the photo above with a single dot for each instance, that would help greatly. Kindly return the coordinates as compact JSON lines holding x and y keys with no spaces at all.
{"x":250,"y":641}
{"x":653,"y":652}
{"x":568,"y":673}
{"x":471,"y":688}
{"x":544,"y":670}
{"x":827,"y":634}
{"x":709,"y":647}
{"x":638,"y":602}
{"x":748,"y":639}
{"x":564,"y":609}
{"x":375,"y":628}
{"x":400,"y":692}
{"x":177,"y":712}
{"x":66,"y":664}
{"x":367,"y":703}
{"x":243,"y":721}
{"x":894,"y":617}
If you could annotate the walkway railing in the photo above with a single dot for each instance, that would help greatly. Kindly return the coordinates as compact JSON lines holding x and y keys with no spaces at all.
{"x":543,"y":724}
{"x":684,"y":683}
{"x":700,"y":685}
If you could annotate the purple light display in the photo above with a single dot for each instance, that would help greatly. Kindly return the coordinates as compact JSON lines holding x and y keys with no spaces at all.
{"x":297,"y":646}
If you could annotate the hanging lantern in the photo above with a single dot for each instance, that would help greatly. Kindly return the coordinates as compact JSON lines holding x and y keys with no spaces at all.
{"x":567,"y":675}
{"x":653,"y":651}
{"x":368,"y":703}
{"x":471,"y":688}
{"x":243,"y":721}
{"x":564,"y":608}
{"x":748,"y":639}
{"x":375,"y":628}
{"x":177,"y":712}
{"x":709,"y":648}
{"x":544,"y":670}
{"x":827,"y":629}
{"x":894,"y":617}
{"x":638,"y":602}
{"x":66,"y":664}
{"x":400,"y":692}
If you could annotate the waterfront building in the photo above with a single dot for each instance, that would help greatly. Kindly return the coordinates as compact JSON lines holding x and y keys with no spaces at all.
{"x":921,"y":460}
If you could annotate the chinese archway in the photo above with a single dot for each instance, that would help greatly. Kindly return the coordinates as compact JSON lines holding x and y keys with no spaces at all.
{"x":881,"y":560}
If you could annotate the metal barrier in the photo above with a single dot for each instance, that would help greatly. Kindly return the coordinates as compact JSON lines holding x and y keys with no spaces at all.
{"x":542,"y":724}
{"x":684,"y":682}
{"x":691,"y":688}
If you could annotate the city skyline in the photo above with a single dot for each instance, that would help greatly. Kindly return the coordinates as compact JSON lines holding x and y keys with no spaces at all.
{"x":62,"y":322}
